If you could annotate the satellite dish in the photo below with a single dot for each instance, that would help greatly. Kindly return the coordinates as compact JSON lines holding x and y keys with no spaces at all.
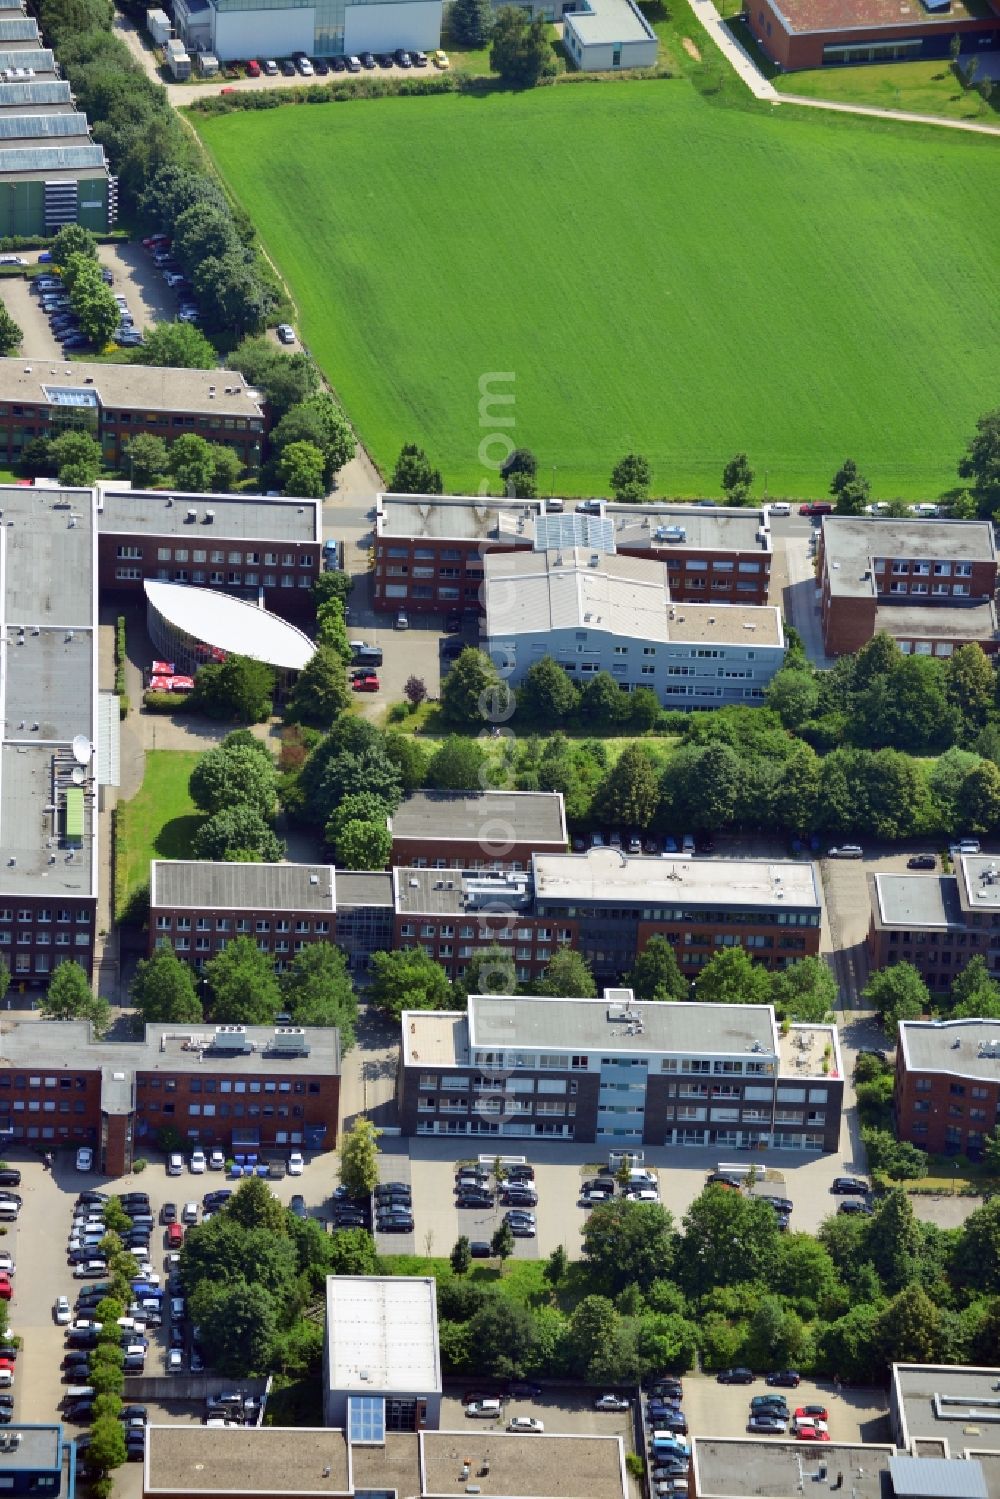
{"x":81,"y":749}
{"x":79,"y":775}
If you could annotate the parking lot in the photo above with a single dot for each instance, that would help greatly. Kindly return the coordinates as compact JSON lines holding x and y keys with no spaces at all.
{"x":565,"y":1411}
{"x":722,"y":1410}
{"x":415,"y":651}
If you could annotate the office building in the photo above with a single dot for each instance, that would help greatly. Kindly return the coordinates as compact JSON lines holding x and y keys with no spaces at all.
{"x":37,"y":1460}
{"x":930,"y":584}
{"x":605,"y":35}
{"x":477,"y":829}
{"x":832,"y":33}
{"x":615,"y":1072}
{"x":953,"y":1407}
{"x":937,"y":922}
{"x":189,"y":627}
{"x":777,"y":1468}
{"x":381,"y":1359}
{"x":197,"y":907}
{"x":430,"y":549}
{"x":114,"y":402}
{"x":232,"y":1087}
{"x":593,"y":611}
{"x":263,"y":549}
{"x":947,"y":1095}
{"x":234,"y":29}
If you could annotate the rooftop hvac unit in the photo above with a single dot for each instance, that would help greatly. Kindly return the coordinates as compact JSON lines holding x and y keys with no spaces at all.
{"x":290,"y":1041}
{"x":232,"y":1038}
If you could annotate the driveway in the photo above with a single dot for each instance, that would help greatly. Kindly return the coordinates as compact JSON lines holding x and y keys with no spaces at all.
{"x":39,"y":340}
{"x":406,"y":653}
{"x":137,"y":279}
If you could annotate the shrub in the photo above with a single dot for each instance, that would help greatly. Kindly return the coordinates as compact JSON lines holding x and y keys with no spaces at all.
{"x":164,"y":702}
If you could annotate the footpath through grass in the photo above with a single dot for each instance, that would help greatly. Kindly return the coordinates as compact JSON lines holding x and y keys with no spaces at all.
{"x":158,"y":823}
{"x":929,"y":88}
{"x":649,"y":268}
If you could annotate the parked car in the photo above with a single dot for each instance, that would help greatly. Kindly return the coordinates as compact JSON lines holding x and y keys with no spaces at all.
{"x":812,"y":1413}
{"x":765,"y":1424}
{"x":61,"y":1311}
{"x":612,"y":1403}
{"x":769,"y":1402}
{"x":846,"y":851}
{"x":921,"y":861}
{"x":296,"y":1163}
{"x":367,"y":683}
{"x":84,"y":1158}
{"x":853,"y":1205}
{"x":287,"y":67}
{"x":790,"y":1378}
{"x":739,"y":1375}
{"x":286,"y":333}
{"x":525,"y":1425}
{"x":849,"y":1186}
{"x":270,"y":68}
{"x":197,"y":1165}
{"x":484,"y":1410}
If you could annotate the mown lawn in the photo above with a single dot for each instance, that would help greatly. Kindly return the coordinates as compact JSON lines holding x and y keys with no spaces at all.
{"x":924,"y":87}
{"x":158,"y":823}
{"x":653,"y":269}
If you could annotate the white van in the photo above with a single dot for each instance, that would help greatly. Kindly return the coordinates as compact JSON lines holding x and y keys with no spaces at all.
{"x":641,"y":1176}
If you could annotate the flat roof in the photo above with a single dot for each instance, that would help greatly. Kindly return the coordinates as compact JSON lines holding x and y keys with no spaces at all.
{"x":246,"y":1460}
{"x":933,"y":621}
{"x":48,"y":687}
{"x":851,"y":543}
{"x":804,"y":16}
{"x":978,"y":877}
{"x":456,"y":518}
{"x":609,"y":874}
{"x":382,"y":1334}
{"x":363,"y":887}
{"x":917,"y":900}
{"x":552,"y":1466}
{"x":496,"y":817}
{"x":199,"y":884}
{"x":536,"y":593}
{"x":712,"y":528}
{"x":959,"y":1404}
{"x":69,"y":1044}
{"x":20,"y":28}
{"x":748,"y":1467}
{"x":133,"y":386}
{"x":504,"y":1022}
{"x":439,"y":1036}
{"x":35,"y":93}
{"x":241,"y":517}
{"x":932,"y":1477}
{"x":43,"y":126}
{"x":450,"y":891}
{"x":970,"y":1048}
{"x":231,"y":624}
{"x":607,"y":21}
{"x":37,"y":1447}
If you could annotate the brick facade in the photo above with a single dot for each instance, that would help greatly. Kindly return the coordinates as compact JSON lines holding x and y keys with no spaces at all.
{"x":453,"y":940}
{"x":196,"y":936}
{"x":947,"y":1093}
{"x":38,"y":932}
{"x":923,"y":37}
{"x":284,"y":570}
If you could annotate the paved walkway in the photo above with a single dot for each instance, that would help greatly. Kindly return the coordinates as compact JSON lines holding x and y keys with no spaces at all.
{"x":762,"y":88}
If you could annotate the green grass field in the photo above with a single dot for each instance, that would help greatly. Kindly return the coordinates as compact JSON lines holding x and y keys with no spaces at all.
{"x":158,"y":823}
{"x":923,"y":87}
{"x":658,"y":271}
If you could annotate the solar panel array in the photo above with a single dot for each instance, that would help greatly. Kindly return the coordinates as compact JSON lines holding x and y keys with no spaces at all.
{"x":50,"y":158}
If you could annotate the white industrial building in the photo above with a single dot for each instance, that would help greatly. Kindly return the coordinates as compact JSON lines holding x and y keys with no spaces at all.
{"x":381,"y":1359}
{"x":594,"y":611}
{"x":237,"y":29}
{"x":605,"y":35}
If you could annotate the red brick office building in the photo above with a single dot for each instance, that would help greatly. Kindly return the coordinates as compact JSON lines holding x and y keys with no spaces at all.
{"x":937,"y":922}
{"x":820,"y":33}
{"x":429,"y":550}
{"x":254,"y":546}
{"x":477,"y":830}
{"x":947,"y":1094}
{"x":930,"y":584}
{"x":235,"y":1088}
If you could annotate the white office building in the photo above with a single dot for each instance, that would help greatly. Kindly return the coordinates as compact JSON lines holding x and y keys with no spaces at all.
{"x":594,"y":611}
{"x":236,"y":29}
{"x":381,"y":1359}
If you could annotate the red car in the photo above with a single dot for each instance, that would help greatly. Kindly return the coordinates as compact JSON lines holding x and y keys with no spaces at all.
{"x":367,"y":683}
{"x":816,"y":508}
{"x":175,"y":1236}
{"x":811,"y":1434}
{"x":809,"y":1413}
{"x":6,"y":1290}
{"x":253,"y":69}
{"x":156,"y":241}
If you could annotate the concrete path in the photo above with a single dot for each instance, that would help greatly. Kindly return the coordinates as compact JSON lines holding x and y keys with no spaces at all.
{"x":889,"y":114}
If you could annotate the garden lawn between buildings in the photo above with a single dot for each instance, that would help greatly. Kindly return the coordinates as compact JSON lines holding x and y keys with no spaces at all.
{"x":652,"y":269}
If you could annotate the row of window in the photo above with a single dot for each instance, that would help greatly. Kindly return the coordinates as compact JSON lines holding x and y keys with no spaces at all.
{"x":166,"y":923}
{"x":226,"y":1110}
{"x":688,"y":914}
{"x":939,"y":590}
{"x":230,"y":580}
{"x":234,"y":559}
{"x":206,"y":944}
{"x":44,"y":939}
{"x":45,"y":914}
{"x":924,"y":569}
{"x":485,"y":934}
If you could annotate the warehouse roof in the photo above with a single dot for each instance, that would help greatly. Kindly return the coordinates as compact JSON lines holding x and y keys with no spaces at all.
{"x":42,"y":126}
{"x":917,"y":900}
{"x":447,"y":891}
{"x":35,"y":94}
{"x":16,"y":160}
{"x":970,"y":1048}
{"x":773,"y":1468}
{"x":382,"y":1334}
{"x":958,"y":1403}
{"x":522,"y":1467}
{"x":937,"y":1478}
{"x":608,"y":874}
{"x":132,"y":387}
{"x":963,"y":622}
{"x":231,"y":624}
{"x":201,"y":516}
{"x":20,"y":28}
{"x":363,"y":887}
{"x":711,"y":528}
{"x":495,"y":817}
{"x":199,"y":884}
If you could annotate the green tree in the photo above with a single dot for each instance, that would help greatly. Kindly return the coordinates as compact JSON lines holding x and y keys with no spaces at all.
{"x":594,"y":1339}
{"x":244,"y":990}
{"x":316,"y":989}
{"x":147,"y":458}
{"x":176,"y":346}
{"x":850,"y":489}
{"x":408,"y":980}
{"x":630,"y":793}
{"x":11,"y":336}
{"x":321,"y":422}
{"x":235,"y":775}
{"x":301,"y":470}
{"x":227,"y":469}
{"x":547,"y":693}
{"x":473,"y":693}
{"x":602,"y":701}
{"x":490,"y":971}
{"x":191,"y":463}
{"x":793,"y":693}
{"x":944,"y":780}
{"x":631,"y":478}
{"x":413,"y":473}
{"x":4,"y":979}
{"x":73,"y":239}
{"x":737,"y":479}
{"x":701,"y":786}
{"x":911,"y":1330}
{"x":805,"y":990}
{"x":895,"y":1158}
{"x":239,"y":1322}
{"x":359,"y":1157}
{"x":502,"y":1244}
{"x":362,"y":806}
{"x":971,"y":686}
{"x":254,"y":1206}
{"x":519,"y":49}
{"x":331,"y":628}
{"x":238,"y":835}
{"x":363,"y":845}
{"x":897,"y":993}
{"x":974,"y":995}
{"x":283,"y":379}
{"x":458,"y":765}
{"x":628,"y":1243}
{"x":163,"y":990}
{"x":321,"y":692}
{"x":567,"y":975}
{"x":733,"y":978}
{"x":976,"y":1261}
{"x":979,"y":798}
{"x":107,"y":1445}
{"x":70,"y":997}
{"x":76,"y":458}
{"x":655,"y":973}
{"x":557,"y":1266}
{"x":893,"y":1242}
{"x":981,"y":462}
{"x":461,"y":1256}
{"x":469,"y":24}
{"x":238,"y":687}
{"x":729,"y":1239}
